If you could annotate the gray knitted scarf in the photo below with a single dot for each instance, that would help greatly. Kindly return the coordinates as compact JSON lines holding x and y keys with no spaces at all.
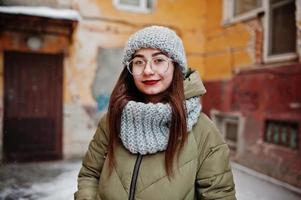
{"x":145,"y":127}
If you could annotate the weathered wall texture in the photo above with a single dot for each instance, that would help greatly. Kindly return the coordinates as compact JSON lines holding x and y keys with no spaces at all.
{"x":107,"y":73}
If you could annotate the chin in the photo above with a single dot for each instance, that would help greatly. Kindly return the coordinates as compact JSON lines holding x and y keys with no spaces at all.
{"x":151,"y":92}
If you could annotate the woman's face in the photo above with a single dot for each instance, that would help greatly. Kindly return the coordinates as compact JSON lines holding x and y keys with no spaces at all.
{"x":152,"y":82}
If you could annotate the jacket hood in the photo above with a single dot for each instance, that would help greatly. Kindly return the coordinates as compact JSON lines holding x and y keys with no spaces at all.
{"x":193,"y":85}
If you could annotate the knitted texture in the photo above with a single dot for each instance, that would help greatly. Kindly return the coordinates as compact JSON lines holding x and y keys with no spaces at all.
{"x":145,"y":127}
{"x":157,"y":37}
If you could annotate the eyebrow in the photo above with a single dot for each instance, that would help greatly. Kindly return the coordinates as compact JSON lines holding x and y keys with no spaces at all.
{"x":154,"y":54}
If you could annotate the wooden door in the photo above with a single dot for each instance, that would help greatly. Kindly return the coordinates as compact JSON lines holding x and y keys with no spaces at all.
{"x":32,"y":127}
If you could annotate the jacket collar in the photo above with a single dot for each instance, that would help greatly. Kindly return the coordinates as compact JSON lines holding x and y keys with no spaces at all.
{"x":193,"y":85}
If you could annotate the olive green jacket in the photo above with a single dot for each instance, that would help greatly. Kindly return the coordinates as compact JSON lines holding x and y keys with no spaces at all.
{"x":202,"y":171}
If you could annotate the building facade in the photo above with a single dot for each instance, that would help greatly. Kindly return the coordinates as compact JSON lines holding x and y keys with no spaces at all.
{"x":252,"y":73}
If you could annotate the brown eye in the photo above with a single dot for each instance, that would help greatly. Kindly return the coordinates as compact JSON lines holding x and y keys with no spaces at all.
{"x":138,"y":62}
{"x":159,"y":60}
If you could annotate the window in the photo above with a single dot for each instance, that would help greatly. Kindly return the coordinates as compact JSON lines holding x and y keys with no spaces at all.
{"x":280,"y":37}
{"x":231,"y":130}
{"x":280,"y":27}
{"x":143,"y":6}
{"x":238,"y":10}
{"x":244,"y":6}
{"x":282,"y":133}
{"x":230,"y":126}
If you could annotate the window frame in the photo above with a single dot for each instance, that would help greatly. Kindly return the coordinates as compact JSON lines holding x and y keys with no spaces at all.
{"x":229,"y":16}
{"x":142,"y":8}
{"x":267,"y":43}
{"x":221,"y":119}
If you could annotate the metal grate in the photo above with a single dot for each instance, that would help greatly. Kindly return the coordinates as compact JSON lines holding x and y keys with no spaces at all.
{"x":282,"y":133}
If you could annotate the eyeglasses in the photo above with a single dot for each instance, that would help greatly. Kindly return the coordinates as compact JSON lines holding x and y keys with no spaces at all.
{"x":159,"y":64}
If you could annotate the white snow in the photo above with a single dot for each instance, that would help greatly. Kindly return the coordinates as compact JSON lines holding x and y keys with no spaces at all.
{"x":67,"y":14}
{"x":250,"y":187}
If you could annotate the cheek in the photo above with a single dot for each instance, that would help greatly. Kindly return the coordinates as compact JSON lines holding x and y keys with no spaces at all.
{"x":169,"y":77}
{"x":167,"y":81}
{"x":137,"y":82}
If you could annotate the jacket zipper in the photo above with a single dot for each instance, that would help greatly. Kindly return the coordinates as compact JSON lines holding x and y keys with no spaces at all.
{"x":134,"y":177}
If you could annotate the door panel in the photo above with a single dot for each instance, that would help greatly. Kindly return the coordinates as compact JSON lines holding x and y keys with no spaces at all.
{"x":32,"y":106}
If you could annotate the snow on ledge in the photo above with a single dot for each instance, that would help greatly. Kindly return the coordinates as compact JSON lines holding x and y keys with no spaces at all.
{"x":54,"y":13}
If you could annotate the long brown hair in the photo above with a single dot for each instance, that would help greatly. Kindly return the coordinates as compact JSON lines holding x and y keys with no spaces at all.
{"x":126,"y":90}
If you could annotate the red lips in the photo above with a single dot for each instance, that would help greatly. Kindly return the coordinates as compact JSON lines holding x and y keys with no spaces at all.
{"x":150,"y":82}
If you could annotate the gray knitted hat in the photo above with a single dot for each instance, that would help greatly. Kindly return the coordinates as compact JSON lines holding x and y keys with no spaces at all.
{"x":157,"y":37}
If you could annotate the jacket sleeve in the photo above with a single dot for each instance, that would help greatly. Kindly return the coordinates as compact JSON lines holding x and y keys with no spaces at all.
{"x":214,"y":176}
{"x":92,"y":165}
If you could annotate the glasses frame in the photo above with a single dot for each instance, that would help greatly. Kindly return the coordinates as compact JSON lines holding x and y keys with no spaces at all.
{"x":128,"y":65}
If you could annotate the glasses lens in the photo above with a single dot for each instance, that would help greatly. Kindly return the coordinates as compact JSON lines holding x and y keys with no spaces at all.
{"x":136,"y":66}
{"x":160,"y":64}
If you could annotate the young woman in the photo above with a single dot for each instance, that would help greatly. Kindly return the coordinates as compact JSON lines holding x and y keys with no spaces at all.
{"x":154,"y":142}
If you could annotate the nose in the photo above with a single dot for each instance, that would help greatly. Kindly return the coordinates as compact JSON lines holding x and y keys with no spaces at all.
{"x":148,"y":69}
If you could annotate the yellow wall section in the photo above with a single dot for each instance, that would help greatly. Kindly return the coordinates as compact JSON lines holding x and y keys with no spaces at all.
{"x":226,"y":47}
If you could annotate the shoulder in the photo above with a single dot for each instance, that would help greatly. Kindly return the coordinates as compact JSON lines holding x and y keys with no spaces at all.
{"x":102,"y":128}
{"x":206,"y":133}
{"x":103,"y":120}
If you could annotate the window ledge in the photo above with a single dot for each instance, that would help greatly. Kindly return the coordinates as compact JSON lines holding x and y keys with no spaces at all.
{"x":280,"y":58}
{"x":133,"y":9}
{"x":268,"y":66}
{"x":141,"y":8}
{"x":243,"y":17}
